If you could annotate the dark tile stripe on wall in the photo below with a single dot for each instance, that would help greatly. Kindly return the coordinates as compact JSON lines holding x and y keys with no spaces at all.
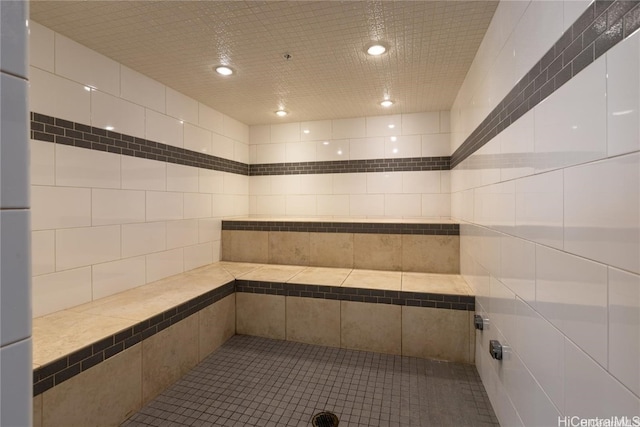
{"x":54,"y":373}
{"x":343,"y":227}
{"x":60,"y":131}
{"x":602,"y":25}
{"x":374,"y":296}
{"x":352,"y":166}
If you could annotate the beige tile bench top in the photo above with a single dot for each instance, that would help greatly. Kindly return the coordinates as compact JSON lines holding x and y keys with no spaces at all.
{"x":348,"y":219}
{"x":60,"y":334}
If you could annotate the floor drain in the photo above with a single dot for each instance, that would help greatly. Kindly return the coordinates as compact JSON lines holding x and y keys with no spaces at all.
{"x":324,"y":419}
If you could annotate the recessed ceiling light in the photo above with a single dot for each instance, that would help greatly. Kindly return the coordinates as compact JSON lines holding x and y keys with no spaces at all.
{"x":224,"y":70}
{"x":394,"y":139}
{"x":306,"y":131}
{"x":325,"y":143}
{"x":376,"y":49}
{"x":281,"y":113}
{"x":387,"y":103}
{"x":392,"y":126}
{"x":339,"y":152}
{"x":109,"y":127}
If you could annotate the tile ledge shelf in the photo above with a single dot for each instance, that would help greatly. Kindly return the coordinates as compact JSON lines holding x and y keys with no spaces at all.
{"x":169,"y":301}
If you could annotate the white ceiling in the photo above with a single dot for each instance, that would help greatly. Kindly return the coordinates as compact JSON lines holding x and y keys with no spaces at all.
{"x":431,"y":46}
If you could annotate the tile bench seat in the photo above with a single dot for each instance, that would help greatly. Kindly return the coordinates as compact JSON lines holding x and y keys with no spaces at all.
{"x":111,"y":356}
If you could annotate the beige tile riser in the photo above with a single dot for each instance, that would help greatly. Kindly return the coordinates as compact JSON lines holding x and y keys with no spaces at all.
{"x":217,"y":323}
{"x":313,"y":321}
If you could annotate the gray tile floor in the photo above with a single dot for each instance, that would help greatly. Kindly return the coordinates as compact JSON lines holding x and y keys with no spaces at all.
{"x":253,"y":381}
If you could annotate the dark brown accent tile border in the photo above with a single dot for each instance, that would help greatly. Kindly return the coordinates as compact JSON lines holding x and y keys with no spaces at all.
{"x":344,"y":227}
{"x":352,"y":166}
{"x":374,"y":296}
{"x":600,"y":27}
{"x":54,"y":373}
{"x":59,"y":131}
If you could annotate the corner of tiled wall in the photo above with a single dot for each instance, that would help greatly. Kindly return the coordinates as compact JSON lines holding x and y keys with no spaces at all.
{"x":15,"y":280}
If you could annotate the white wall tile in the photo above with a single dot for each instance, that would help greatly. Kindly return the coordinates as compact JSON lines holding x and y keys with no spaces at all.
{"x":222,"y":146}
{"x":300,"y":152}
{"x":58,"y":97}
{"x":15,"y":369}
{"x":209,"y":118}
{"x":43,"y":252}
{"x":571,"y":125}
{"x":318,"y":130}
{"x":445,"y":182}
{"x":541,"y":347}
{"x":240,"y":152}
{"x":286,"y":132}
{"x":14,"y":150}
{"x":15,"y":250}
{"x":275,"y":205}
{"x":384,"y":125}
{"x":381,"y":182}
{"x":623,"y":96}
{"x":181,"y":106}
{"x":236,"y":184}
{"x":271,"y":153}
{"x":60,"y":207}
{"x":142,"y":239}
{"x":494,"y":205}
{"x":366,"y":148}
{"x":142,"y":90}
{"x":402,"y":146}
{"x":349,"y":183}
{"x":445,"y":121}
{"x":197,"y":256}
{"x":117,"y":206}
{"x":421,"y":182}
{"x":517,"y":148}
{"x":602,"y":216}
{"x":57,"y":291}
{"x":14,"y":34}
{"x":338,"y":149}
{"x":222,"y":205}
{"x":436,"y":205}
{"x":315,"y":184}
{"x":164,"y":264}
{"x":143,"y":174}
{"x":421,"y":123}
{"x":333,"y":205}
{"x":402,"y":205}
{"x":518,"y":267}
{"x":197,"y":205}
{"x":164,"y":206}
{"x":260,"y":185}
{"x":234,"y":129}
{"x":42,"y":157}
{"x":78,"y":247}
{"x":539,"y":209}
{"x":301,"y":205}
{"x":436,"y":145}
{"x":366,"y":205}
{"x":503,"y":310}
{"x":77,"y":167}
{"x":624,"y":328}
{"x":259,"y":134}
{"x":210,"y":181}
{"x":41,"y":47}
{"x":83,"y":65}
{"x":162,"y":128}
{"x":117,"y":276}
{"x":182,"y":178}
{"x":108,"y":111}
{"x":591,"y":392}
{"x":572,"y":293}
{"x":209,"y":229}
{"x":348,"y":128}
{"x":197,"y":139}
{"x":182,"y":233}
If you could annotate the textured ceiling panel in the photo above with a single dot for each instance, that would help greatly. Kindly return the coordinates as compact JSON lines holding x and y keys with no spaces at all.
{"x":329,"y":76}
